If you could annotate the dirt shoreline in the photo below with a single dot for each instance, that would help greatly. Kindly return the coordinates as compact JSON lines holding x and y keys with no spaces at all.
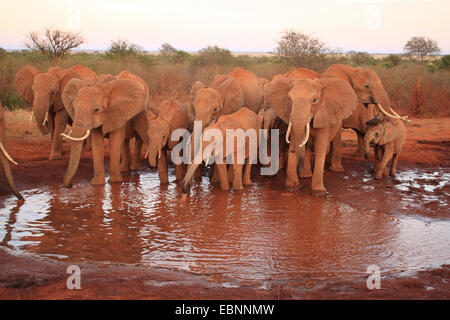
{"x":28,"y":276}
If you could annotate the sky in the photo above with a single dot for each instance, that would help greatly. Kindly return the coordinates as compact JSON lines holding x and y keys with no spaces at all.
{"x":375,"y":26}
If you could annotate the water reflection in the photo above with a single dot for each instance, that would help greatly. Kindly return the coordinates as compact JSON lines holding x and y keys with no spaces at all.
{"x":260,"y":235}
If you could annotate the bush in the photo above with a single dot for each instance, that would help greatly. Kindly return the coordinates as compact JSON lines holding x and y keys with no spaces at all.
{"x":391,"y":60}
{"x":122,"y":48}
{"x":361,"y":58}
{"x":444,"y":62}
{"x":213,"y":55}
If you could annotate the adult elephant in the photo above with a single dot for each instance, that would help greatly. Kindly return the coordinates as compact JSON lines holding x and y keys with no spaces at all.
{"x":100,"y":110}
{"x":298,"y":73}
{"x":371,"y":95}
{"x":5,"y":158}
{"x":314,"y":110}
{"x":43,"y":90}
{"x":226,"y":94}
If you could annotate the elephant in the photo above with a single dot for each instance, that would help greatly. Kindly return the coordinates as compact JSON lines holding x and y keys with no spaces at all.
{"x":100,"y":110}
{"x":270,"y":117}
{"x":226,"y":94}
{"x":387,"y":137}
{"x":43,"y":90}
{"x":5,"y":158}
{"x":172,"y":115}
{"x":314,"y":110}
{"x":244,"y":119}
{"x":372,"y":98}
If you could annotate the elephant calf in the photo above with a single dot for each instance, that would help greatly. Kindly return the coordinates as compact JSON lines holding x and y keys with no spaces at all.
{"x":5,"y":157}
{"x":387,"y":137}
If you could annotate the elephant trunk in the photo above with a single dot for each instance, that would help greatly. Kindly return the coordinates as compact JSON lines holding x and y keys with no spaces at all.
{"x":366,"y":147}
{"x":154,"y":153}
{"x":41,"y":105}
{"x":7,"y":170}
{"x":75,"y":155}
{"x":187,"y":180}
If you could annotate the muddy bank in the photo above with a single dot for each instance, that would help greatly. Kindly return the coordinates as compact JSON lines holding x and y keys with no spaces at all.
{"x":263,"y":242}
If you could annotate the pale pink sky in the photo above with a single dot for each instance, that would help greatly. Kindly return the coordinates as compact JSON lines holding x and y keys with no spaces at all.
{"x":239,"y":25}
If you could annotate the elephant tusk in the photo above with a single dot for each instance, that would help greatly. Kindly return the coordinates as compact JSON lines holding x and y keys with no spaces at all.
{"x":31,"y":117}
{"x":2,"y":147}
{"x":288,"y":133}
{"x":390,"y":115}
{"x":146,"y":155}
{"x":46,"y":119}
{"x":159,"y":153}
{"x":405,"y":118}
{"x":77,"y":139}
{"x":306,"y":137}
{"x":207,"y":161}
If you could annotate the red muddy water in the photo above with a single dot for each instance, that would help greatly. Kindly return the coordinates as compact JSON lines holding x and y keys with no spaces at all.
{"x":263,"y":237}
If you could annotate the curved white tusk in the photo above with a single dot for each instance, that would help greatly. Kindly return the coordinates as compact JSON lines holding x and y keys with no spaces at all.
{"x":146,"y":155}
{"x":2,"y":147}
{"x":207,"y":161}
{"x":46,"y":119}
{"x":77,"y":139}
{"x":288,"y":133}
{"x":31,"y":117}
{"x":306,"y":136}
{"x":390,"y":115}
{"x":404,"y":118}
{"x":159,"y":153}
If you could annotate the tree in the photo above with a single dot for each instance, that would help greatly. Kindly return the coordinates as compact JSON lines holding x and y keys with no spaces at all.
{"x":214,"y":55}
{"x":299,"y":49}
{"x":53,"y":43}
{"x":167,"y":49}
{"x":123,"y":48}
{"x":421,"y":47}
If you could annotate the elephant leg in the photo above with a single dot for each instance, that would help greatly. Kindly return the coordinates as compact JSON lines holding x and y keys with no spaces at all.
{"x":307,"y":171}
{"x":237,"y":176}
{"x":247,"y":173}
{"x":7,"y":170}
{"x":125,"y":158}
{"x":292,"y":181}
{"x":179,"y":172}
{"x":215,"y":175}
{"x":223,"y":176}
{"x":98,"y":156}
{"x":321,"y":143}
{"x":230,"y":173}
{"x":394,"y":164}
{"x":60,"y":120}
{"x":360,"y":148}
{"x":162,"y":167}
{"x":116,"y":140}
{"x":387,"y":155}
{"x":51,"y":124}
{"x":336,"y":153}
{"x":136,"y":156}
{"x":89,"y":143}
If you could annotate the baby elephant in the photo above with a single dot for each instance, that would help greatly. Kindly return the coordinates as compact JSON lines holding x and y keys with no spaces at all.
{"x":387,"y":137}
{"x":172,"y":115}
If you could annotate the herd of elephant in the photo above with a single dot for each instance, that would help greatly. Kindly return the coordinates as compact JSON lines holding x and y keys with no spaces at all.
{"x":309,"y":110}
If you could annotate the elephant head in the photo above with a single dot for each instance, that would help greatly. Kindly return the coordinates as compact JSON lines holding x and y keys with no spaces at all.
{"x":5,"y":158}
{"x":108,"y":105}
{"x":324,"y":102}
{"x":158,"y":135}
{"x":379,"y":132}
{"x":43,"y":90}
{"x":210,"y":103}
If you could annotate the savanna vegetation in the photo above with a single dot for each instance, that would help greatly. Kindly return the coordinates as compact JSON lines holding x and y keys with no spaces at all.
{"x":416,"y":84}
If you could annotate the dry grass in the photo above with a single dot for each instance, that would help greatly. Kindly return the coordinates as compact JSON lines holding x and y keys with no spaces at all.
{"x":18,"y":124}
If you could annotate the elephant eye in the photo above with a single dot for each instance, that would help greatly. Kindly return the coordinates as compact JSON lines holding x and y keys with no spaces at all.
{"x":314,"y":100}
{"x":367,"y":86}
{"x":96,"y":110}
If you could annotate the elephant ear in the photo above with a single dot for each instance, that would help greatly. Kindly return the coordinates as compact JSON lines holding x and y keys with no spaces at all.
{"x":70,"y":93}
{"x":23,"y":82}
{"x":68,"y":75}
{"x":125,"y":100}
{"x":389,"y":134}
{"x":85,"y":73}
{"x":338,"y":101}
{"x":277,"y":97}
{"x":233,"y":95}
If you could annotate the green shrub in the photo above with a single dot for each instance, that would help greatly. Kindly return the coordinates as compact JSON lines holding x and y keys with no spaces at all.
{"x":444,"y":62}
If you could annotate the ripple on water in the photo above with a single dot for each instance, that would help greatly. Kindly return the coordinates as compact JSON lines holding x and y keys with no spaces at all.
{"x":258,"y":235}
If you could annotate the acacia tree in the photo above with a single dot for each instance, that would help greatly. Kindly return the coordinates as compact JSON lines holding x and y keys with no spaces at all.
{"x":166,"y":49}
{"x":421,"y":47}
{"x":53,"y":43}
{"x":299,"y":49}
{"x":123,"y":48}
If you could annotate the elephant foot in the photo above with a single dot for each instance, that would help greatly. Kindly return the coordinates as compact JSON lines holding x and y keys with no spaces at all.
{"x":238,"y":188}
{"x":306,"y":174}
{"x":55,"y":157}
{"x":98,"y":180}
{"x":163,"y":180}
{"x":378,"y":176}
{"x":293,"y":186}
{"x":337,"y":168}
{"x":247,"y":182}
{"x":135,"y":167}
{"x":114,"y":179}
{"x":124,"y":169}
{"x":319,"y":192}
